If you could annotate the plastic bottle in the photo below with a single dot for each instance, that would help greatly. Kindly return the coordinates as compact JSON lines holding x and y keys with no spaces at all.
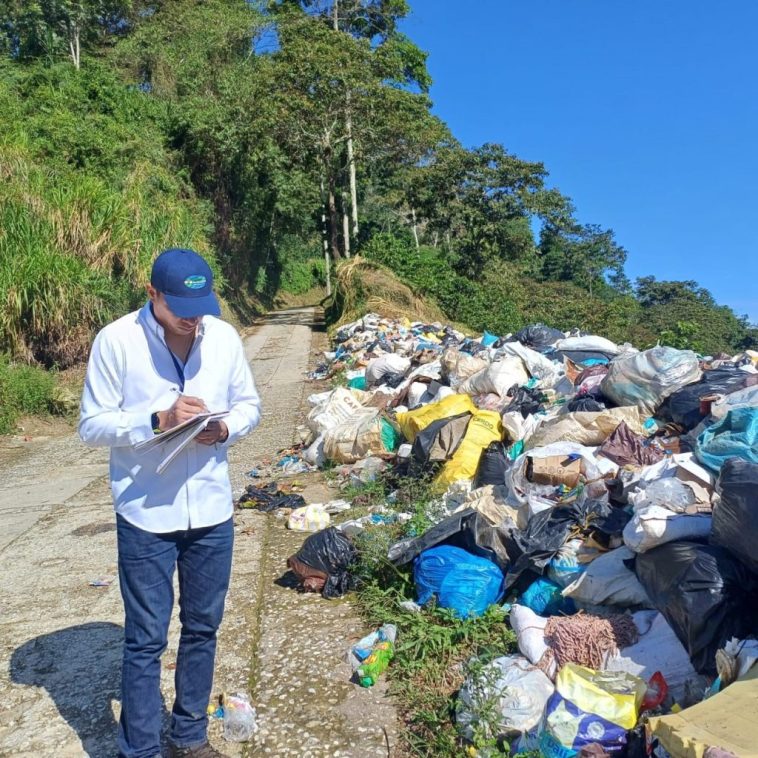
{"x":376,"y":664}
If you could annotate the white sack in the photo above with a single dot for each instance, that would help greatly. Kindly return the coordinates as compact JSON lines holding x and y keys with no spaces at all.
{"x":653,"y":525}
{"x":385,"y":365}
{"x":498,"y":378}
{"x":537,"y":364}
{"x":607,"y":581}
{"x":588,"y":343}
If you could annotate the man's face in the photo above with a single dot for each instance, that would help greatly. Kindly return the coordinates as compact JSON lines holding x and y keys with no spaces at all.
{"x":179,"y":327}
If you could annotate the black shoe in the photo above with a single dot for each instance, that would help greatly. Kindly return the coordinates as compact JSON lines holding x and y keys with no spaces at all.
{"x":198,"y":751}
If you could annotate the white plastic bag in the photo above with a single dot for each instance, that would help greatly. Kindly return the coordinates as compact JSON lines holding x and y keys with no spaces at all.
{"x":588,"y":343}
{"x":537,"y":364}
{"x":507,"y":695}
{"x":239,"y":718}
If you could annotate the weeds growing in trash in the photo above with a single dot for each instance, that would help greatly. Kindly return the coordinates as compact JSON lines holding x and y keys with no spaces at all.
{"x":434,"y":646}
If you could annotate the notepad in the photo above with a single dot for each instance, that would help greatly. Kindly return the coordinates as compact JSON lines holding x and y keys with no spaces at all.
{"x":174,"y":440}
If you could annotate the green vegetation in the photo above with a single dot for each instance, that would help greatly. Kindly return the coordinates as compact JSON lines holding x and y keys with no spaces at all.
{"x":267,"y":134}
{"x":24,"y":390}
{"x":435,"y":650}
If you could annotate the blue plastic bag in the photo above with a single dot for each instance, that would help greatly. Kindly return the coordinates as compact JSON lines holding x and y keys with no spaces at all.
{"x":735,"y":436}
{"x":461,"y":581}
{"x":544,"y":597}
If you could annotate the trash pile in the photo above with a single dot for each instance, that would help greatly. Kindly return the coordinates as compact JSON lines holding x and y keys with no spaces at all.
{"x":607,"y":495}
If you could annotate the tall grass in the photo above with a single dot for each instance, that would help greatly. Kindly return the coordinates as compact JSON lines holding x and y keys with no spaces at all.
{"x":82,"y":212}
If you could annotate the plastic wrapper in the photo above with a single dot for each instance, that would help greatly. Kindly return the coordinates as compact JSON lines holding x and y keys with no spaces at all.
{"x":705,"y":594}
{"x":591,"y":707}
{"x":646,"y":379}
{"x":735,"y":518}
{"x":734,"y":436}
{"x":513,"y":688}
{"x":461,"y":581}
{"x":329,"y":552}
{"x":310,"y":518}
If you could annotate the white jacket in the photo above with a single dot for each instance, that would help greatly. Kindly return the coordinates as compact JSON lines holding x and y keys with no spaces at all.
{"x":130,"y":376}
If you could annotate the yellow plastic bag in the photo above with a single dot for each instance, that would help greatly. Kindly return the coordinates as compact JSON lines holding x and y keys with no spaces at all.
{"x":413,"y":422}
{"x":613,"y":695}
{"x":484,"y":428}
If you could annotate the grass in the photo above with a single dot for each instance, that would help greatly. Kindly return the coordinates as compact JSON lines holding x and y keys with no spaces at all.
{"x":434,"y":648}
{"x":24,"y":390}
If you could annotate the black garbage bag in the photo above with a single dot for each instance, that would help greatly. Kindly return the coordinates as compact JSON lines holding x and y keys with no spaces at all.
{"x":468,"y":530}
{"x":327,"y":552}
{"x":546,"y":533}
{"x":472,"y":347}
{"x":706,"y":595}
{"x":269,"y":498}
{"x":683,"y":406}
{"x":492,"y":466}
{"x":735,"y":517}
{"x":525,"y":400}
{"x":589,"y":401}
{"x":537,"y":336}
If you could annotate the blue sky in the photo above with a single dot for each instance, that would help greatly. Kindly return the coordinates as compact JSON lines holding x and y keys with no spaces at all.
{"x":645,"y":113}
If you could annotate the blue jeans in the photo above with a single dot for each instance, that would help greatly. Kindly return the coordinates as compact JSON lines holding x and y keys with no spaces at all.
{"x":146,"y":564}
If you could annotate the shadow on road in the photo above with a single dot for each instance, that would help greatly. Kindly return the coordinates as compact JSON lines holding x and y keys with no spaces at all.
{"x":80,"y":667}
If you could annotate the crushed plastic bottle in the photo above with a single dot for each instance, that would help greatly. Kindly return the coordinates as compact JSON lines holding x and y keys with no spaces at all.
{"x":376,"y":664}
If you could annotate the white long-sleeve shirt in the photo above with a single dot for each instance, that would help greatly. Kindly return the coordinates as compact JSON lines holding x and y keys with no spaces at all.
{"x":130,"y":376}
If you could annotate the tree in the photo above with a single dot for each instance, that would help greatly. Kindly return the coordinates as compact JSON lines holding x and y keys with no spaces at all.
{"x":480,"y":203}
{"x":584,"y":254}
{"x":50,"y":28}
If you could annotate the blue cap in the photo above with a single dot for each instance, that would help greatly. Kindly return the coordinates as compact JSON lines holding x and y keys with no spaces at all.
{"x":186,"y":281}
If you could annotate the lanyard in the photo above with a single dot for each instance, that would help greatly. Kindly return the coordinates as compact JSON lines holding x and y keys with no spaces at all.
{"x":179,"y":368}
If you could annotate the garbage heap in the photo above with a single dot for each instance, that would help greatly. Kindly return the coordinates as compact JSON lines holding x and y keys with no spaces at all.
{"x":607,"y":495}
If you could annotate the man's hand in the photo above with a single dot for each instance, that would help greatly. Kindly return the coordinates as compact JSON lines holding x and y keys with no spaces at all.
{"x":216,"y":431}
{"x":185,"y":408}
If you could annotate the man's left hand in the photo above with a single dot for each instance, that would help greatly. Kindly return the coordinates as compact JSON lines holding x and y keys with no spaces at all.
{"x":216,"y":431}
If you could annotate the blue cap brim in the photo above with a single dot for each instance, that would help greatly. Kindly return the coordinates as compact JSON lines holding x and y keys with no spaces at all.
{"x":192,"y":307}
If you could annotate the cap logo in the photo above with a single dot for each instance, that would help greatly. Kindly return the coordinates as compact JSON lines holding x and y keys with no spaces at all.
{"x":195,"y":282}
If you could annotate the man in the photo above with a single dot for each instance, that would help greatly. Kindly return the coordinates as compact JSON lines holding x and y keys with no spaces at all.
{"x":148,"y":372}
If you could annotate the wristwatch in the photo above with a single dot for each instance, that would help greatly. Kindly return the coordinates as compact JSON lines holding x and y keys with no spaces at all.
{"x":155,"y":423}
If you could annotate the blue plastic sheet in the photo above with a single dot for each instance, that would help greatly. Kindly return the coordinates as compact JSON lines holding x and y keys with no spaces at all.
{"x":735,"y":436}
{"x":461,"y":581}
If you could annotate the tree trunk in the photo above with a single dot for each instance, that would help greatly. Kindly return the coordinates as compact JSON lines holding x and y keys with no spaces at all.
{"x":335,"y":15}
{"x":414,"y":227}
{"x":351,"y":167}
{"x":74,"y":45}
{"x":333,"y":220}
{"x":345,"y":227}
{"x":325,"y":240}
